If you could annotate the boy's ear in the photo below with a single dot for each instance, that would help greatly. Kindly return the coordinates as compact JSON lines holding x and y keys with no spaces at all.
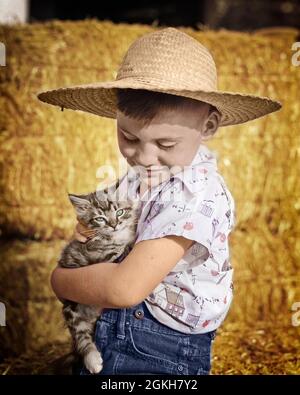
{"x":80,"y":202}
{"x":211,"y":124}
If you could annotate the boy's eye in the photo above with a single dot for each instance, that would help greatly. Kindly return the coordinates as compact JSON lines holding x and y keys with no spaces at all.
{"x":166,"y":147}
{"x":127,"y":139}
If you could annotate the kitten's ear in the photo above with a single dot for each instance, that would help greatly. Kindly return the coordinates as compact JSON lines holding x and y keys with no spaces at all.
{"x":80,"y":202}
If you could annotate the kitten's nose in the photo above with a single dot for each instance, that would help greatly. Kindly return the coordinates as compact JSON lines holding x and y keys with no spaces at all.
{"x":114,"y":225}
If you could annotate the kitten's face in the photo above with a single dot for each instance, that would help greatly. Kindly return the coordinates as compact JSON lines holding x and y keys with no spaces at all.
{"x":100,"y":211}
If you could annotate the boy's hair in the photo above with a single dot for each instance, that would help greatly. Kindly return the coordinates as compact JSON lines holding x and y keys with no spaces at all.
{"x":144,"y":105}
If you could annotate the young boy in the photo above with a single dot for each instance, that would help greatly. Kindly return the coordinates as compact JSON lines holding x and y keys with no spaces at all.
{"x":164,"y":302}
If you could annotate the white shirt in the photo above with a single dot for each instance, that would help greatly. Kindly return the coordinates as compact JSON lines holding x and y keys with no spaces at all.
{"x":196,"y":204}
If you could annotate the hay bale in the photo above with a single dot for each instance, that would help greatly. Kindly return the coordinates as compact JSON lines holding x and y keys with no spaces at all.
{"x":26,"y":267}
{"x":38,"y":172}
{"x":264,"y":286}
{"x":46,"y":153}
{"x":33,"y":314}
{"x":31,"y":325}
{"x":35,"y":183}
{"x":267,"y":265}
{"x":260,"y":299}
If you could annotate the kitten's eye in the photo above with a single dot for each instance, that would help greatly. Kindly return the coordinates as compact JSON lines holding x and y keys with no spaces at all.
{"x":100,"y":220}
{"x":120,"y":212}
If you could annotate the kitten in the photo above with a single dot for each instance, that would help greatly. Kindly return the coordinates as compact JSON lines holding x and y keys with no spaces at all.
{"x":113,"y":233}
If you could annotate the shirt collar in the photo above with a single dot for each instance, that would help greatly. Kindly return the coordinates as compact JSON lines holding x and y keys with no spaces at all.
{"x":205,"y":156}
{"x":203,"y":164}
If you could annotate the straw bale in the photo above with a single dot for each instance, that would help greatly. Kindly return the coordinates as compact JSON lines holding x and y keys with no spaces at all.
{"x":268,"y":255}
{"x":25,"y":269}
{"x":267,"y":267}
{"x":31,"y":325}
{"x":265,"y":280}
{"x":38,"y":172}
{"x":259,"y":299}
{"x":46,"y":153}
{"x":33,"y":314}
{"x":273,"y":173}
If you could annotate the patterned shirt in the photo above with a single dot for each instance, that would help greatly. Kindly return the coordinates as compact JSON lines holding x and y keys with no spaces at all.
{"x":196,"y":204}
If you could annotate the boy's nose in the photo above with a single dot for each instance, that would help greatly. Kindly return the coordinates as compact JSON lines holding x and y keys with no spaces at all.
{"x":145,"y":156}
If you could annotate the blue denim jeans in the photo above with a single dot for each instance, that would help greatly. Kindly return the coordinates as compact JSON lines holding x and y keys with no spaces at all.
{"x":132,"y":341}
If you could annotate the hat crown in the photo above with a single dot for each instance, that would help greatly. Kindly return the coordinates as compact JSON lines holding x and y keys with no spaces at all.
{"x":172,"y":58}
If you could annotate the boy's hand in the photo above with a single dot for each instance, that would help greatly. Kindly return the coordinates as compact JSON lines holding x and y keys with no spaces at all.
{"x":82,"y":233}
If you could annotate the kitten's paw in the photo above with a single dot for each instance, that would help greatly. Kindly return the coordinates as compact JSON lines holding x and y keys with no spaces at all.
{"x":93,"y":362}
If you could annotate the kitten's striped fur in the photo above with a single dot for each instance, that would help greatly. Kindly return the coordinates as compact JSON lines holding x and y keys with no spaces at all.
{"x":114,"y":237}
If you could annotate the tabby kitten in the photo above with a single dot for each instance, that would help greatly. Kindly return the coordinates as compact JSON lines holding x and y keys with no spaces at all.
{"x":113,"y":233}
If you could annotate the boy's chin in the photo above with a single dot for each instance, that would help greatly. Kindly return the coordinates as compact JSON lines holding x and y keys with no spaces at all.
{"x":156,"y":179}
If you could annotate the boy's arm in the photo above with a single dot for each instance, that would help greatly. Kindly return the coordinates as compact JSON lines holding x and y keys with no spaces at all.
{"x":125,"y":284}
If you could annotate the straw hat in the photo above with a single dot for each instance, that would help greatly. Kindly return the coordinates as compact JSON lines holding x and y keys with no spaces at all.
{"x":167,"y":61}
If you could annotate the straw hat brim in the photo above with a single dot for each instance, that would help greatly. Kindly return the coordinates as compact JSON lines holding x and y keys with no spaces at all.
{"x":100,"y":99}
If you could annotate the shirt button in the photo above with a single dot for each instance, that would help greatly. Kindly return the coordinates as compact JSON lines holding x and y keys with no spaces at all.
{"x":180,"y":368}
{"x":139,"y":314}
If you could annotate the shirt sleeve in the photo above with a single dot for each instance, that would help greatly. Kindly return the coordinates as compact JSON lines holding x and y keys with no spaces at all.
{"x":188,"y":215}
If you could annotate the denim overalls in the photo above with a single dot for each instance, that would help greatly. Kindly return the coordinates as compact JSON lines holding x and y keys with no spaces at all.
{"x":132,"y":341}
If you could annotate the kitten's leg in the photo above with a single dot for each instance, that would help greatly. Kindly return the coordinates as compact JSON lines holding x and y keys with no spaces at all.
{"x":82,"y":327}
{"x":84,"y":335}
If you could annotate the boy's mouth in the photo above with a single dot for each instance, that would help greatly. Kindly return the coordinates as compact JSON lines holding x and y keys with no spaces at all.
{"x":150,"y":172}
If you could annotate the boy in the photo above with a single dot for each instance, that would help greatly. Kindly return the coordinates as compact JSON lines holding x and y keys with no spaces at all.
{"x":165,"y":300}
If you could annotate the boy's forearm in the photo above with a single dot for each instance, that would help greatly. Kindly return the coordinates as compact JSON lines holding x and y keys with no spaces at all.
{"x":92,"y":285}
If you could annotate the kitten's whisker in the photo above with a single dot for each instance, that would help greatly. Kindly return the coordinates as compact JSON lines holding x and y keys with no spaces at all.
{"x":89,"y":234}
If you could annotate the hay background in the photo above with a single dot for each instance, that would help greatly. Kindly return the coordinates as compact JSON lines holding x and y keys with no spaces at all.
{"x":46,"y":153}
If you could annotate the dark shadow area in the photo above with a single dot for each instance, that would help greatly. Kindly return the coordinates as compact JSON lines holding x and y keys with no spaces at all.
{"x":231,"y":14}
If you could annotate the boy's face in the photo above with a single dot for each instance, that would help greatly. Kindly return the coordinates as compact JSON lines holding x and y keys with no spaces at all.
{"x":171,"y":140}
